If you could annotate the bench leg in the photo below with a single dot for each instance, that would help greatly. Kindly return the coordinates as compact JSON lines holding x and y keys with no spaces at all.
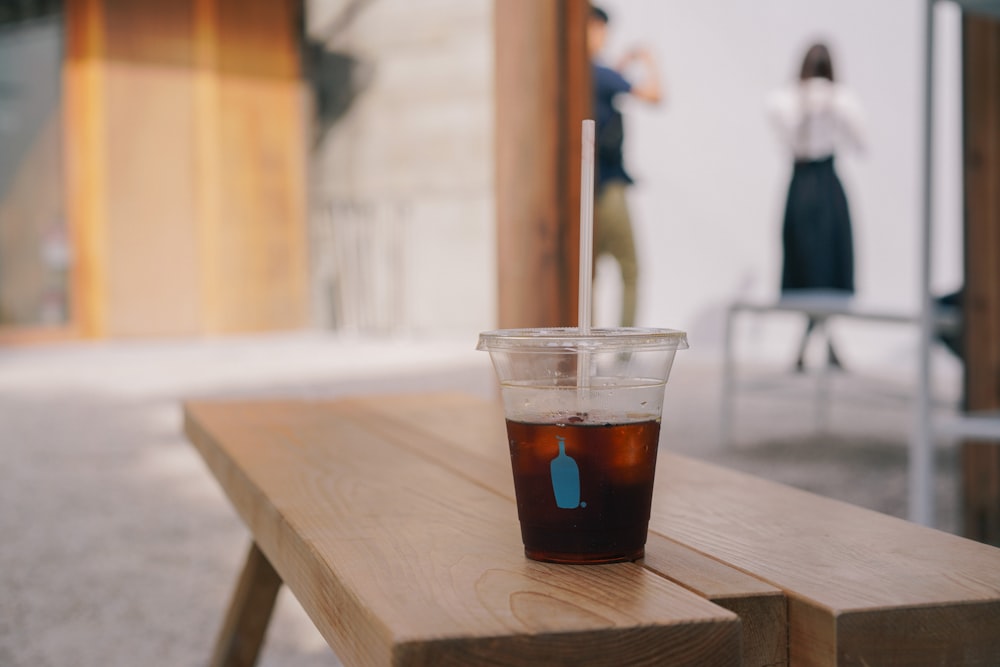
{"x":250,"y":610}
{"x":823,"y":394}
{"x":728,"y":382}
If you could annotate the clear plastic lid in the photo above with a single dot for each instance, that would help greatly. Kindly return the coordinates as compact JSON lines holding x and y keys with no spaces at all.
{"x":570,"y":339}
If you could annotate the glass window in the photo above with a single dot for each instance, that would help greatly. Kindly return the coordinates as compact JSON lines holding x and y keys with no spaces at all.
{"x":34,"y":242}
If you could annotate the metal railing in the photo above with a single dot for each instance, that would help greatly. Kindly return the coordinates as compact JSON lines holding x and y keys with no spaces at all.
{"x":359,"y":264}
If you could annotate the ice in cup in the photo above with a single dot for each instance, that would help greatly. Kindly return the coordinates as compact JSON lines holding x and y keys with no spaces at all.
{"x":583,"y":424}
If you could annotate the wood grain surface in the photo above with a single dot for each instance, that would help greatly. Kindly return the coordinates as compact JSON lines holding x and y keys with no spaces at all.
{"x":843,"y":569}
{"x":862,"y":588}
{"x":469,"y":436}
{"x":400,"y":560}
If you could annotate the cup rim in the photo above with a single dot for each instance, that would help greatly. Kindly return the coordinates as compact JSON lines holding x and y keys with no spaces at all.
{"x":570,"y":339}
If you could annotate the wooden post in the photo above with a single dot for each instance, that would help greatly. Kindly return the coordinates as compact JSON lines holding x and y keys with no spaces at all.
{"x":542,"y":96}
{"x":83,"y":86}
{"x":981,"y":304}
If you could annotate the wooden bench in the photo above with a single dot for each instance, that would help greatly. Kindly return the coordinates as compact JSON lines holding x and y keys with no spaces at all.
{"x":392,"y":521}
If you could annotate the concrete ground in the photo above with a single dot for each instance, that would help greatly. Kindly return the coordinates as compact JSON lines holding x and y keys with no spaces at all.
{"x":120,"y":549}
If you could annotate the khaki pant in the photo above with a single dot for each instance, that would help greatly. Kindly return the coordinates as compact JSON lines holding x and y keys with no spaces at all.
{"x":613,"y":236}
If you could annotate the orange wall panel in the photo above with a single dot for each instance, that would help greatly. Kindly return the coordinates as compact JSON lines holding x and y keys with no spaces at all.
{"x":152,"y":253}
{"x":259,"y":264}
{"x":186,"y":166}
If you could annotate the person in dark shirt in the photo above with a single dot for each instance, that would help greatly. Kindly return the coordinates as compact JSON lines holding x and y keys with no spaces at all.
{"x":612,"y":223}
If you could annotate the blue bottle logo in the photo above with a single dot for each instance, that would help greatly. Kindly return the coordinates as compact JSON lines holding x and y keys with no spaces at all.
{"x":565,"y":479}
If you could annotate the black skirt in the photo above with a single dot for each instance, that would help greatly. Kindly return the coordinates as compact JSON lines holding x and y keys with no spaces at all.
{"x":818,"y":243}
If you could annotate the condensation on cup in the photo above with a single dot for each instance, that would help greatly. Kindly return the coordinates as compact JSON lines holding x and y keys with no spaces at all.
{"x":583,"y":424}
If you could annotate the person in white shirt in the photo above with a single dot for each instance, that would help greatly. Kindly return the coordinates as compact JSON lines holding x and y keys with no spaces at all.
{"x":816,"y":118}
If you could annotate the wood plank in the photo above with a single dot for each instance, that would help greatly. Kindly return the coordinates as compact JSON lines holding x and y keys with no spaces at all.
{"x":152,"y":254}
{"x":243,"y":631}
{"x":468,"y":436}
{"x":208,"y":162}
{"x":83,"y":121}
{"x":153,"y":260}
{"x":542,"y":95}
{"x":259,"y":39}
{"x":185,"y":153}
{"x":400,"y":561}
{"x":155,"y":32}
{"x":843,"y":568}
{"x":252,"y":162}
{"x":981,"y":305}
{"x":863,"y":588}
{"x":762,"y":608}
{"x":260,"y":268}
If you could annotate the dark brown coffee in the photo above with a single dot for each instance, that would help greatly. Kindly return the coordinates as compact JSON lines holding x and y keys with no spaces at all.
{"x":583,"y":490}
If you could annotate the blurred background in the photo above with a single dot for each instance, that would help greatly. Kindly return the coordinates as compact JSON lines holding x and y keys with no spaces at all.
{"x":216,"y":167}
{"x":712,"y":178}
{"x":201,"y":168}
{"x":204,"y":198}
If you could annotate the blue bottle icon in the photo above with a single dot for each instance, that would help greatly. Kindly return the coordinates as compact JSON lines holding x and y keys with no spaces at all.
{"x":565,"y":478}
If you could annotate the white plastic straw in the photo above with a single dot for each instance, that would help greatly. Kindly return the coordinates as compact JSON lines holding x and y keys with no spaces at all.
{"x":586,"y":250}
{"x":586,"y":226}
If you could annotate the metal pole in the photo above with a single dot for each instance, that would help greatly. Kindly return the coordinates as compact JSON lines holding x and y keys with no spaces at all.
{"x":728,"y":380}
{"x":823,"y":392}
{"x":921,"y":487}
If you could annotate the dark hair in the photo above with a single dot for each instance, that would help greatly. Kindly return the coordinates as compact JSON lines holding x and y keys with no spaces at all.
{"x":599,"y":14}
{"x":817,"y":63}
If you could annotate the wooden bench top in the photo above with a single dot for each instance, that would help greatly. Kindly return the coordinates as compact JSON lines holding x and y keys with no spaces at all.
{"x":392,"y":521}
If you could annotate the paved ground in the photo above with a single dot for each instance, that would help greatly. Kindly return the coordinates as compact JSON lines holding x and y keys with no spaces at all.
{"x":119,"y":549}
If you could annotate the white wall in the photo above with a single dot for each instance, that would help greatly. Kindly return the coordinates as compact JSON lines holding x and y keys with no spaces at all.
{"x":712,"y":179}
{"x":412,"y":161}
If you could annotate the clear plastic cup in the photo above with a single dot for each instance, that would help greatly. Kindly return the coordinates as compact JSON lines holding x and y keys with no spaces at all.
{"x":583,"y":425}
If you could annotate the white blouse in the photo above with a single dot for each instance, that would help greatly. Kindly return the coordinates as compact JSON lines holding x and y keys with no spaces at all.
{"x":816,"y":117}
